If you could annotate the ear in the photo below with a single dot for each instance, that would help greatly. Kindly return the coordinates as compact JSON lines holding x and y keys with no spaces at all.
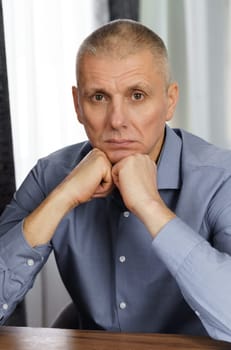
{"x":75,"y":95}
{"x":173,"y":94}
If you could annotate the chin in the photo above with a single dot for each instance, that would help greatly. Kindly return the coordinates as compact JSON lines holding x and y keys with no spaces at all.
{"x":115,"y":158}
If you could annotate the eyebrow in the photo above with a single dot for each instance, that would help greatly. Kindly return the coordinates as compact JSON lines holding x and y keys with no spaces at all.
{"x":93,"y":90}
{"x":140,"y":85}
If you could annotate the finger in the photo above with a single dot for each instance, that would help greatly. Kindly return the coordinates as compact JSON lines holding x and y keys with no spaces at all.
{"x":103,"y":189}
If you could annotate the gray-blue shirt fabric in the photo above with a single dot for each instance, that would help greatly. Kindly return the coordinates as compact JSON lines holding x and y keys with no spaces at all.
{"x":118,"y":276}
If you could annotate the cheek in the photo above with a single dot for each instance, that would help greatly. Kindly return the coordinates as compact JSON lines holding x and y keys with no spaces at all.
{"x":91,"y":128}
{"x":91,"y":118}
{"x":151,"y":126}
{"x":153,"y":117}
{"x":94,"y":128}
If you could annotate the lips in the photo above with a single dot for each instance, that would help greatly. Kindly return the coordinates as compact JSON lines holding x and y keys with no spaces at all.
{"x":112,"y":143}
{"x":119,"y":141}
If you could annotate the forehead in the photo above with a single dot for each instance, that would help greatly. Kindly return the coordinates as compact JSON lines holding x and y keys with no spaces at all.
{"x":106,"y":67}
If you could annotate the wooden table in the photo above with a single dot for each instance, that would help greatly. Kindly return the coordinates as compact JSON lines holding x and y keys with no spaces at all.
{"x":25,"y":338}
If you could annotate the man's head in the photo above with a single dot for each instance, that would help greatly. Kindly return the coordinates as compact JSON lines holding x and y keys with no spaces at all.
{"x":124,"y":95}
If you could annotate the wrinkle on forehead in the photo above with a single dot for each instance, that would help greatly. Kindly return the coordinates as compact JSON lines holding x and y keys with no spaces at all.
{"x":107,"y":67}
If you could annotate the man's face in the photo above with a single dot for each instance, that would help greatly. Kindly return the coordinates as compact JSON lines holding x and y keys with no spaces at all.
{"x":124,"y":104}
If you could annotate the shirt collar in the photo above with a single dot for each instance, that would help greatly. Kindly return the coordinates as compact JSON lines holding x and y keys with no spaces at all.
{"x":169,"y":163}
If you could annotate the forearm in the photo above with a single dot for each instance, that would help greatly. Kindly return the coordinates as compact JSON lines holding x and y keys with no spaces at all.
{"x":91,"y":178}
{"x":40,"y":225}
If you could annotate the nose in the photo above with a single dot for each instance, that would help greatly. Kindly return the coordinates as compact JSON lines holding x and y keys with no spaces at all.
{"x":117,"y":114}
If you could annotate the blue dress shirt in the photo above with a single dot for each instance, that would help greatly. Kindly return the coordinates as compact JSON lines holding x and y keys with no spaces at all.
{"x":117,"y":275}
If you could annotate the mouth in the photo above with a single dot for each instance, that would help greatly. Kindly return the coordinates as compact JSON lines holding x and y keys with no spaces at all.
{"x":117,"y":149}
{"x":119,"y":143}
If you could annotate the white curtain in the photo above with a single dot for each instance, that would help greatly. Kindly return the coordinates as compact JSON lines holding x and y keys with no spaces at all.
{"x":42,"y":37}
{"x":198,"y":37}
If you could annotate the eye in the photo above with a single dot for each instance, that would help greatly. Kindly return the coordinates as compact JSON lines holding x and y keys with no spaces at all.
{"x":137,"y":96}
{"x":98,"y":97}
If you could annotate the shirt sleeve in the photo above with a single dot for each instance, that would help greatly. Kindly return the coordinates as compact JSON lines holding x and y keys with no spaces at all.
{"x":19,"y":265}
{"x":19,"y":262}
{"x":202,"y":273}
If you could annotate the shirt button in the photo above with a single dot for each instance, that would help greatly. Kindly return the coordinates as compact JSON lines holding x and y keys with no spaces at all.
{"x":5,"y":306}
{"x":123,"y":305}
{"x":126,"y":214}
{"x":30,"y":262}
{"x":122,"y":259}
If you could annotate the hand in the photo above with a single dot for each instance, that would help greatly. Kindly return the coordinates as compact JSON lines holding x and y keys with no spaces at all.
{"x":135,"y":177}
{"x":91,"y":178}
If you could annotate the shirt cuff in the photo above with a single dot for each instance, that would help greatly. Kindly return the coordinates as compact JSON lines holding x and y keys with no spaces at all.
{"x":13,"y":246}
{"x":174,"y":243}
{"x":19,"y":265}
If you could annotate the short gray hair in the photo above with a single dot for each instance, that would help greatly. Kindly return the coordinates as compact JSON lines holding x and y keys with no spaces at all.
{"x":121,"y":38}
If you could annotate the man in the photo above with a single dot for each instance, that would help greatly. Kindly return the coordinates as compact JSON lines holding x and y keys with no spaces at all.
{"x":139,"y":217}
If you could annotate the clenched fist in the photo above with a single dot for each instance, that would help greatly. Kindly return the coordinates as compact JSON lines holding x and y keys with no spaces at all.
{"x":91,"y":178}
